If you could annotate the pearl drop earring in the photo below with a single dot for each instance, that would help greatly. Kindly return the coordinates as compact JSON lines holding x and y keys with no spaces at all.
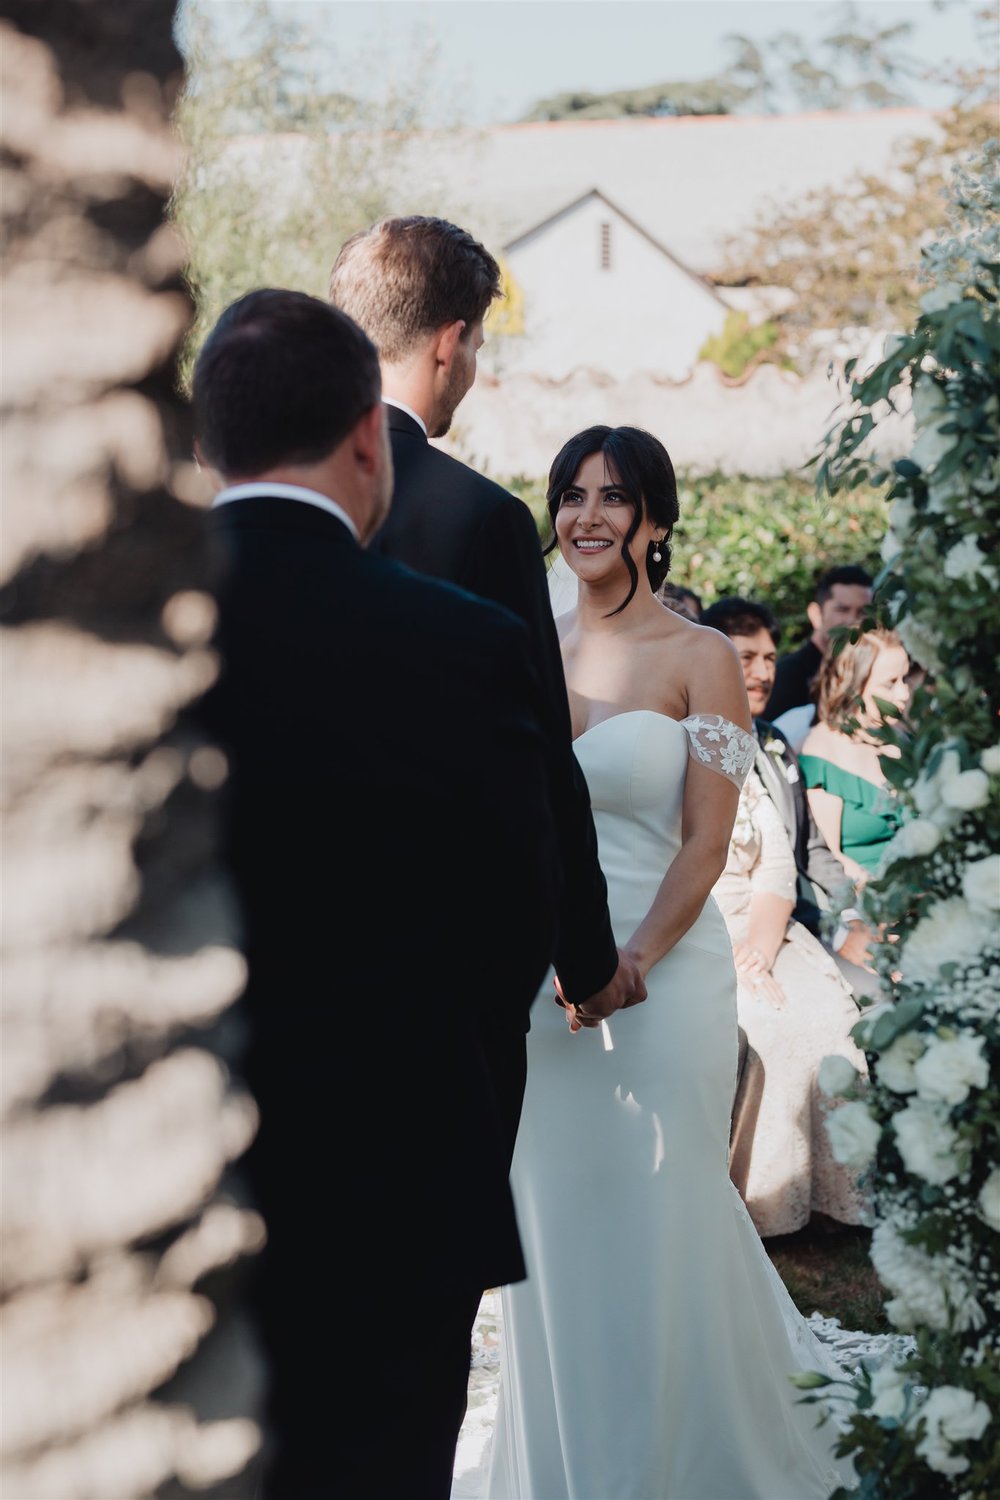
{"x":657,"y":555}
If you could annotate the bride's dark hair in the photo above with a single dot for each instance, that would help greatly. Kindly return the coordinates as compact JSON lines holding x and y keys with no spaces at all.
{"x":646,"y":476}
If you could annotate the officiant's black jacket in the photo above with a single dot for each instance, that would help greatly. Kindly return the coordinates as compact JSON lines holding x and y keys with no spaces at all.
{"x":452,"y":523}
{"x":388,"y":829}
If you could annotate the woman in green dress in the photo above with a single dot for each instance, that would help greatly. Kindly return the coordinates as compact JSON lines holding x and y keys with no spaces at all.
{"x":848,"y":793}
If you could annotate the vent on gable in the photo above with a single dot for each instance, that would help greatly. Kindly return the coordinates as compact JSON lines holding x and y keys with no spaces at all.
{"x":605,"y":247}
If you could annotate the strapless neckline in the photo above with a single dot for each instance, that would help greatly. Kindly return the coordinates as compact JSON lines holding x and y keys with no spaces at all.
{"x":628,"y":713}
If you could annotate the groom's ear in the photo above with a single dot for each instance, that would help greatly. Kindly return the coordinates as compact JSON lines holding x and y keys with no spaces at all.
{"x":446,"y":342}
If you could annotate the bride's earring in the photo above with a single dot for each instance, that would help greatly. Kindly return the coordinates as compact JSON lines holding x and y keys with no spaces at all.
{"x":657,"y":554}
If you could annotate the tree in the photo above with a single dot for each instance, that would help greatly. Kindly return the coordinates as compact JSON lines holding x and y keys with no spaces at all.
{"x":282,"y":165}
{"x":857,"y":64}
{"x":126,"y":1363}
{"x":853,"y":260}
{"x":928,"y":1127}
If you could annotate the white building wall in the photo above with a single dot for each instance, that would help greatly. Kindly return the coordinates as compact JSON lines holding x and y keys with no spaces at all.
{"x":642,"y":313}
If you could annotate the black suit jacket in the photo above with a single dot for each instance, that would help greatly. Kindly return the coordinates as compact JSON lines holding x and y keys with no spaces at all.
{"x":819,"y":871}
{"x":388,"y":830}
{"x":793,"y":678}
{"x":452,"y":523}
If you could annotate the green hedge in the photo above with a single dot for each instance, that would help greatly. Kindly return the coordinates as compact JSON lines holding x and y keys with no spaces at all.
{"x":766,"y":539}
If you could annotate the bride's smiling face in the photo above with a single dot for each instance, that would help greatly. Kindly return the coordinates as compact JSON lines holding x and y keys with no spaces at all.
{"x":593,"y":520}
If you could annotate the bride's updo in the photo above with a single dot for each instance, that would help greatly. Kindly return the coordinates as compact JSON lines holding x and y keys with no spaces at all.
{"x":645,"y":474}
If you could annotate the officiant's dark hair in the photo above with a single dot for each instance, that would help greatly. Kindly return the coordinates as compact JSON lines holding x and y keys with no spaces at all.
{"x":407,"y":277}
{"x":645,"y":474}
{"x":734,"y":615}
{"x":281,"y":379}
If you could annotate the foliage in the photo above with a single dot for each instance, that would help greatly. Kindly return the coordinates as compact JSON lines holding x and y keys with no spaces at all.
{"x":857,"y":63}
{"x":850,"y":260}
{"x":280,"y":166}
{"x":506,"y":316}
{"x":930,"y":1120}
{"x":741,"y":346}
{"x":766,"y":539}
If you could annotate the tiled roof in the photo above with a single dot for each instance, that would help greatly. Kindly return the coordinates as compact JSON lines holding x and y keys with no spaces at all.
{"x":690,"y":182}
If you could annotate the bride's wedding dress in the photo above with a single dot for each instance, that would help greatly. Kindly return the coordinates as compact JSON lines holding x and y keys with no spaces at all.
{"x":647,"y":1356}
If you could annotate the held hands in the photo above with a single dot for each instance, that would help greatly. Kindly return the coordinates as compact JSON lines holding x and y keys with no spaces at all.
{"x":626,"y":987}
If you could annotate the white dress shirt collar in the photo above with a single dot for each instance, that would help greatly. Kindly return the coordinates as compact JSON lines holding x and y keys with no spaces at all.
{"x":402,"y":406}
{"x":286,"y":492}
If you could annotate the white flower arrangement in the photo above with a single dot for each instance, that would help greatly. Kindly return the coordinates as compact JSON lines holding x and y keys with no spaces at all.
{"x":927,"y":1132}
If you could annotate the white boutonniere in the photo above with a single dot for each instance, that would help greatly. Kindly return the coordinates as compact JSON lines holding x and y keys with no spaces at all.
{"x":774,"y":747}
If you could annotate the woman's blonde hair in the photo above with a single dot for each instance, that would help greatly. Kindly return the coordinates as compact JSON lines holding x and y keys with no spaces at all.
{"x":844,"y":675}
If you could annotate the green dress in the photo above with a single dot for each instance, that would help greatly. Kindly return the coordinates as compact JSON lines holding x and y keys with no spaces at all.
{"x":869,"y":818}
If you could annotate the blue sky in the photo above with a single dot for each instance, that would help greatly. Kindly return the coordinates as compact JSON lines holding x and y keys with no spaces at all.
{"x":496,"y":57}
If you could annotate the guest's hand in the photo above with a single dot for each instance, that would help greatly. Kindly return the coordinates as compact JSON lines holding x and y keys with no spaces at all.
{"x":750,"y":961}
{"x":626,"y":987}
{"x":855,"y":947}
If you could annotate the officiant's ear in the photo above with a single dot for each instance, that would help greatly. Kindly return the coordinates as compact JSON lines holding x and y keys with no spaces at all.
{"x":368,"y":438}
{"x":446,"y":342}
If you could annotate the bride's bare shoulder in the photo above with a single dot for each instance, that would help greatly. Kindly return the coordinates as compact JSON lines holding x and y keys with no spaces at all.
{"x":704,"y":643}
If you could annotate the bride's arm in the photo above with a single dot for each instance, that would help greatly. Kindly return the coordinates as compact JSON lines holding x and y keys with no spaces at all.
{"x":709,"y":812}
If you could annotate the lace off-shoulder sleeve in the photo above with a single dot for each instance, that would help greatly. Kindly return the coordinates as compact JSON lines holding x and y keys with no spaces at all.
{"x":720,"y":745}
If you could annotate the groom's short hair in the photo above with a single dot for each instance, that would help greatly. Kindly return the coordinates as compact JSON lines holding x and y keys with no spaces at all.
{"x":281,"y":379}
{"x":405,"y":278}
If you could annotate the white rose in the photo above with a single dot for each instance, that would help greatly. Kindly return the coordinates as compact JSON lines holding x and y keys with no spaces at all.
{"x":915,"y":839}
{"x":889,"y":1392}
{"x":931,"y":447}
{"x":990,"y":760}
{"x":967,"y":791}
{"x":951,"y":930}
{"x":853,"y":1134}
{"x":989,"y":1200}
{"x":951,"y":1415}
{"x":981,"y":883}
{"x":901,"y":514}
{"x":951,"y":1066}
{"x":941,"y":297}
{"x":920,"y":640}
{"x":965,"y":559}
{"x":927,"y":1142}
{"x":928,"y":1289}
{"x":837,"y":1075}
{"x":891,"y":547}
{"x":894,"y":1068}
{"x":929,"y":401}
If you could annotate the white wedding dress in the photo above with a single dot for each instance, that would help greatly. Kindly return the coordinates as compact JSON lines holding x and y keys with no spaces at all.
{"x":647,"y":1355}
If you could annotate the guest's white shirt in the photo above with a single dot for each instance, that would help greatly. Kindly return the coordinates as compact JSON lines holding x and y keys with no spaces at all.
{"x":402,"y":406}
{"x":795,"y":724}
{"x":286,"y":492}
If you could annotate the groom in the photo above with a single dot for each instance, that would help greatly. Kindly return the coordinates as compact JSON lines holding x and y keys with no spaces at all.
{"x":421,"y":287}
{"x":388,"y":832}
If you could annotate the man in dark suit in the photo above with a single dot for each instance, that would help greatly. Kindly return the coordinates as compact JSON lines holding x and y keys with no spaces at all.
{"x":842,"y":595}
{"x":421,"y":287}
{"x":387,"y":825}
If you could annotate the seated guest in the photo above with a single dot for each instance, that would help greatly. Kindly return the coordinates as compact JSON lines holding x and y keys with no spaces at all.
{"x":796,"y":1009}
{"x":841,"y":598}
{"x":681,"y":600}
{"x":848,"y":793}
{"x":823,"y":886}
{"x":754,"y":632}
{"x":841,"y":758}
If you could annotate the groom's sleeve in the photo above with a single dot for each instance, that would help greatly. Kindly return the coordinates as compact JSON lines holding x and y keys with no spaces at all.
{"x":507,"y":565}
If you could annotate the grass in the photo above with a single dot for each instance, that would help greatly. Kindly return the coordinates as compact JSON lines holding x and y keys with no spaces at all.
{"x":827,"y":1270}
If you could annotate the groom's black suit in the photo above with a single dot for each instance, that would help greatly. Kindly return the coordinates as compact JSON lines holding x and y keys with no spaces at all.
{"x":452,"y":523}
{"x":389,"y":833}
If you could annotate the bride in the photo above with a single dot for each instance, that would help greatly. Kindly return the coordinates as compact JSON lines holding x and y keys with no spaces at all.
{"x":648,"y":1354}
